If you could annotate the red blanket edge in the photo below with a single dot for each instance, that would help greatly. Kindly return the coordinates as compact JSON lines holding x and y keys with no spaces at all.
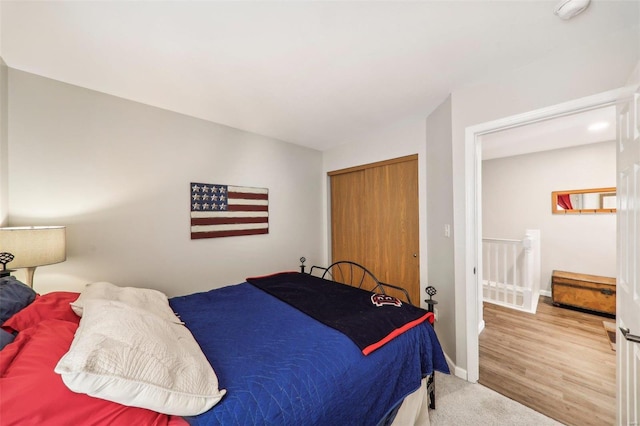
{"x":398,"y":331}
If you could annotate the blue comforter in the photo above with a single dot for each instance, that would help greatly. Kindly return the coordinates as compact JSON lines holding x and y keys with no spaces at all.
{"x":281,"y":367}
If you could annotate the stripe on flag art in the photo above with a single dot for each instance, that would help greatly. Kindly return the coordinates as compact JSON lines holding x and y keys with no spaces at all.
{"x":228,"y":211}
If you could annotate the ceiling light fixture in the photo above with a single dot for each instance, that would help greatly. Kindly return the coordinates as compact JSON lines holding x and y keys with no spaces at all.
{"x":567,"y":9}
{"x":596,"y":127}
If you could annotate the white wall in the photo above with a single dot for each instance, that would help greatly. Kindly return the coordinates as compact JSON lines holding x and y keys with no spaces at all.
{"x":4,"y":143}
{"x":439,"y":203}
{"x":516,"y":195}
{"x":117,"y":174}
{"x":4,"y":173}
{"x":596,"y":66}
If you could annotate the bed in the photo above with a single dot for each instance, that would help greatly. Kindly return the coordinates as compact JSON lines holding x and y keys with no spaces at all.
{"x":271,"y":361}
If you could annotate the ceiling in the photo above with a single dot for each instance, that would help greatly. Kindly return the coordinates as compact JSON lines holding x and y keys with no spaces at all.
{"x":555,"y":133}
{"x":317,"y":74}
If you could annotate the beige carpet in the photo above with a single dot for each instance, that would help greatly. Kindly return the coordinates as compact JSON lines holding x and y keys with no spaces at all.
{"x":460,"y":403}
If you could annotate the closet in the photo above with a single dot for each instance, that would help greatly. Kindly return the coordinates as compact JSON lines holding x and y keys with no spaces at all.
{"x":374,"y":220}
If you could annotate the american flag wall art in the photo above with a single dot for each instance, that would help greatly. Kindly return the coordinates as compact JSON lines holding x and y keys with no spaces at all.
{"x":228,"y":211}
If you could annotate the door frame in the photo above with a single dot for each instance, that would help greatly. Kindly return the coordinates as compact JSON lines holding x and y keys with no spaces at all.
{"x":470,"y":285}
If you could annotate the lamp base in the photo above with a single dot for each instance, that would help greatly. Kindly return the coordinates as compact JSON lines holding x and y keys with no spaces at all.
{"x":30,"y":271}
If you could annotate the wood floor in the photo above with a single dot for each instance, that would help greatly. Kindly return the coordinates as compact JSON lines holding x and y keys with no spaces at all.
{"x":558,"y":362}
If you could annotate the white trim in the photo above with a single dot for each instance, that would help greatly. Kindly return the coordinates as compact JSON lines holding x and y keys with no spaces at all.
{"x":480,"y":327}
{"x":460,"y":372}
{"x":472,"y":174}
{"x":508,"y":305}
{"x":473,"y":237}
{"x":545,"y":293}
{"x":457,"y":371}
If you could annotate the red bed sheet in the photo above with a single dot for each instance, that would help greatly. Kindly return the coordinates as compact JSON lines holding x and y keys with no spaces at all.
{"x":33,"y":394}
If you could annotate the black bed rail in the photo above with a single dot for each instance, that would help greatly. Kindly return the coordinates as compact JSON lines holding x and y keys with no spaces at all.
{"x":355,"y":275}
{"x":405,"y":292}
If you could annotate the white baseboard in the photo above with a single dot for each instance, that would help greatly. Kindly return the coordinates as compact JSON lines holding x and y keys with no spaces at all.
{"x":460,"y":372}
{"x":457,"y":371}
{"x":545,"y":293}
{"x":480,"y":327}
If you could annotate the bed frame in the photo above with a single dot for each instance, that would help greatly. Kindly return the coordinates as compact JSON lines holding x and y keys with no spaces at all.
{"x":356,"y":275}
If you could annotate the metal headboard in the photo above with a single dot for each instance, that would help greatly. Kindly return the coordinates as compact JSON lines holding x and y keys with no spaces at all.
{"x":355,"y":275}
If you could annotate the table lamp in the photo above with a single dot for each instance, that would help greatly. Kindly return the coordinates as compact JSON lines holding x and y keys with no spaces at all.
{"x":32,"y":246}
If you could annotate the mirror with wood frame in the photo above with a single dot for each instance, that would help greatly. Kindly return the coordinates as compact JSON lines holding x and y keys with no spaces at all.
{"x":577,"y":201}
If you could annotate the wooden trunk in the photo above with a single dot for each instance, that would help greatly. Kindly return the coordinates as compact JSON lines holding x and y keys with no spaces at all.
{"x":584,"y":291}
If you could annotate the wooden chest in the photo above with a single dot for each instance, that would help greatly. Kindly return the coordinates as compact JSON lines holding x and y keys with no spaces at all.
{"x":590,"y":292}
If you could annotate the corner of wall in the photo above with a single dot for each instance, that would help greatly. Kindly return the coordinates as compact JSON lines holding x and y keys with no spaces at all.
{"x":439,"y":212}
{"x":4,"y":144}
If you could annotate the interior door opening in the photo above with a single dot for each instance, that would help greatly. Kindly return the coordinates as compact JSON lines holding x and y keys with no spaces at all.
{"x":469,"y":282}
{"x":506,"y":340}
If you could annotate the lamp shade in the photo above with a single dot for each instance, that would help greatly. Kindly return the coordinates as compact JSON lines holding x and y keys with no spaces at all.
{"x":33,"y":246}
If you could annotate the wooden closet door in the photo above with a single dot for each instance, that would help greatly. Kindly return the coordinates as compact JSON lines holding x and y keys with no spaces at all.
{"x":374,"y":220}
{"x":348,"y":227}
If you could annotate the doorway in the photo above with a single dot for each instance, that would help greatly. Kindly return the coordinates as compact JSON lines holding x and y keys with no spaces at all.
{"x":531,"y":357}
{"x":470,"y":284}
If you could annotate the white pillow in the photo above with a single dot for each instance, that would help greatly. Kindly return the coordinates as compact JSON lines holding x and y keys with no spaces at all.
{"x":150,"y":300}
{"x":124,"y":355}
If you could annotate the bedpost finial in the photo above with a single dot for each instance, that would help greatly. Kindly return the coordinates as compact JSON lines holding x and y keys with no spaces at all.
{"x":431,"y":291}
{"x":4,"y":259}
